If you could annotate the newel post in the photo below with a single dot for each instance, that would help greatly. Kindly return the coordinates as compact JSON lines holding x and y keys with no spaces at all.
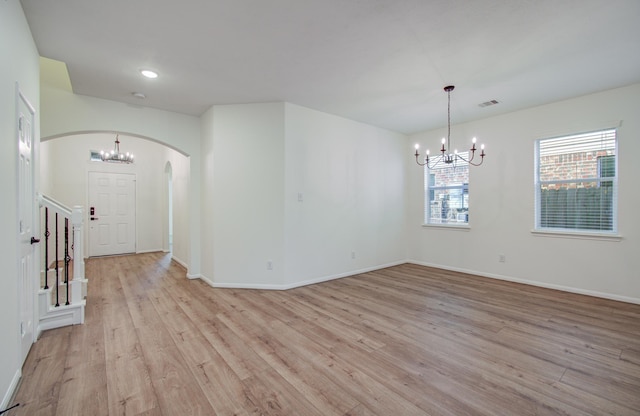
{"x":77,"y":219}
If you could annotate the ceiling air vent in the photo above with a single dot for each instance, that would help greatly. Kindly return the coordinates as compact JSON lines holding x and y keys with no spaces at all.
{"x":488,"y":103}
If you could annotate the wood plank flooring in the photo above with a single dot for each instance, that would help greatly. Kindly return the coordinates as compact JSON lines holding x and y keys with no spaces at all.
{"x":406,"y":340}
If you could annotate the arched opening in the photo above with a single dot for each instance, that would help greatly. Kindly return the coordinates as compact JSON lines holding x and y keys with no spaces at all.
{"x":162,"y":176}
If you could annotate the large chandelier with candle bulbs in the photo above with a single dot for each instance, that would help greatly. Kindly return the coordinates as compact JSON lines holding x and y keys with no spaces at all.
{"x":116,"y":156}
{"x":446,"y":157}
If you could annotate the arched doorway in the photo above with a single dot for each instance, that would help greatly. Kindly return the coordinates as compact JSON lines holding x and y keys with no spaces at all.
{"x":162,"y":178}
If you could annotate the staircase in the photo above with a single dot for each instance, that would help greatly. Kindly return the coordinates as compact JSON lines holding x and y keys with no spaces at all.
{"x":63,"y":287}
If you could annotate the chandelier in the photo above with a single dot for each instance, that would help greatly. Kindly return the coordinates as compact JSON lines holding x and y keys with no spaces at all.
{"x":115,"y":155}
{"x":446,"y":157}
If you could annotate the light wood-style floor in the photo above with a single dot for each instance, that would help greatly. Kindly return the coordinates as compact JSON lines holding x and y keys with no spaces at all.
{"x":406,"y":340}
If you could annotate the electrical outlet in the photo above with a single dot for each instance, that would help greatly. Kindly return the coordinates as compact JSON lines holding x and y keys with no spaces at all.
{"x":353,"y":255}
{"x":502,"y":258}
{"x":269,"y":265}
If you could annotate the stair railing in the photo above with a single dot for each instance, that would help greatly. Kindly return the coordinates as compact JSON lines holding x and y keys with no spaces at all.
{"x":70,"y":246}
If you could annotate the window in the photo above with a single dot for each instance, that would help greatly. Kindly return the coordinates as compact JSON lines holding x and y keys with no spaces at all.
{"x":95,"y":156}
{"x":447,"y":194}
{"x":576,"y":183}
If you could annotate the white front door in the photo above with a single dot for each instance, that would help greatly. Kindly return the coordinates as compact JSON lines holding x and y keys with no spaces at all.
{"x":112,"y":213}
{"x":27,"y":275}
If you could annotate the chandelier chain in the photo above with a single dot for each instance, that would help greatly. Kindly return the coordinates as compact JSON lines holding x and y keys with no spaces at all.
{"x":448,"y":120}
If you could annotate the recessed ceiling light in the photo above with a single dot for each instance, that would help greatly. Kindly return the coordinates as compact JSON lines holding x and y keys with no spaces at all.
{"x":139,"y":95}
{"x":148,"y":73}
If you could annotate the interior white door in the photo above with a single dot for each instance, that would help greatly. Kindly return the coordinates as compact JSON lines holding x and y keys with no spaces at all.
{"x":27,"y":269}
{"x":112,"y":213}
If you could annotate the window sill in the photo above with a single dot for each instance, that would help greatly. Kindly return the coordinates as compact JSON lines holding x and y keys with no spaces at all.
{"x":456,"y":227}
{"x":576,"y":235}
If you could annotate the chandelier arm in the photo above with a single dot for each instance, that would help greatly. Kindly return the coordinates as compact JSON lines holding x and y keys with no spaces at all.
{"x":421,"y":164}
{"x":438,"y":161}
{"x":477,"y":164}
{"x":473,"y":154}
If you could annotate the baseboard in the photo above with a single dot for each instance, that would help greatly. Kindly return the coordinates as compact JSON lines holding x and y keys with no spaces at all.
{"x":569,"y":289}
{"x":294,"y":285}
{"x":180,"y":262}
{"x":203,"y":278}
{"x":6,"y":400}
{"x":63,"y":315}
{"x":155,"y":250}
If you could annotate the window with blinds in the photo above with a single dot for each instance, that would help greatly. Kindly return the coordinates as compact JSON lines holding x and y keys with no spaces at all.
{"x":576,"y":183}
{"x":447,"y":194}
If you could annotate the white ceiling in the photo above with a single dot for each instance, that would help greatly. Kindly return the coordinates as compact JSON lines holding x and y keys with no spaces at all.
{"x":381,"y":62}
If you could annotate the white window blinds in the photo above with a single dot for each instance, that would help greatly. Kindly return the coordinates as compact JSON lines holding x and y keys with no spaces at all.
{"x":576,"y":182}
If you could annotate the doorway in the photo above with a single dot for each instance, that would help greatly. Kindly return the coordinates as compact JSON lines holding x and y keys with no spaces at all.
{"x":27,"y":268}
{"x":112,"y":213}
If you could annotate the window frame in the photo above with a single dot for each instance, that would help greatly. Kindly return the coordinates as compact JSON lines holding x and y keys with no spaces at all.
{"x":613,"y":180}
{"x":430,"y":190}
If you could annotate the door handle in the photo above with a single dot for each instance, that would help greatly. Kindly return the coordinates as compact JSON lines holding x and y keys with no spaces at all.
{"x":94,"y":218}
{"x":34,"y":240}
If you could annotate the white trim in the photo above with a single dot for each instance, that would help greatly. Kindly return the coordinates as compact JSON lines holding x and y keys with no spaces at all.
{"x":595,"y":131}
{"x":201,"y":277}
{"x":562,"y":288}
{"x":578,"y":128}
{"x":576,"y":235}
{"x":180,"y":262}
{"x":198,"y":276}
{"x":456,"y":227}
{"x":11,"y":390}
{"x":151,"y":250}
{"x":321,"y":279}
{"x":55,"y":206}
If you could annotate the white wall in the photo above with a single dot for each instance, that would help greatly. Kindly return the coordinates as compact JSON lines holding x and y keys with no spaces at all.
{"x":259,"y":159}
{"x":19,"y":59}
{"x":207,"y":198}
{"x":350,"y":178}
{"x":248,"y":194}
{"x":502,"y":202}
{"x":64,"y":113}
{"x":66,"y":165}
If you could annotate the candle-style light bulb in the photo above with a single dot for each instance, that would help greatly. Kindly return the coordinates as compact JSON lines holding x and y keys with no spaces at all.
{"x":473,"y":140}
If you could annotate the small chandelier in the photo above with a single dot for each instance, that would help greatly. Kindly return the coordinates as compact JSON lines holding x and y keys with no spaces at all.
{"x":446,"y":156}
{"x":115,"y":155}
